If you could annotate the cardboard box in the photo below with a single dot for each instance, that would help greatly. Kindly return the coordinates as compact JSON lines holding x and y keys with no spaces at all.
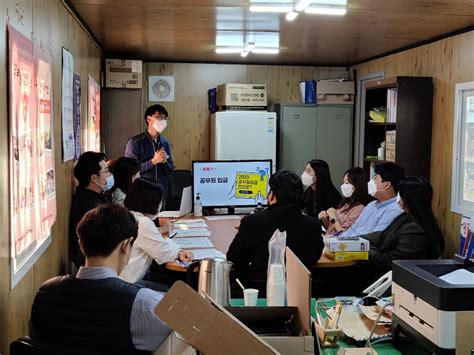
{"x":205,"y":326}
{"x":120,"y":73}
{"x":335,"y":92}
{"x":333,"y":244}
{"x":298,"y":294}
{"x":348,"y":255}
{"x":249,"y":95}
{"x":390,"y":137}
{"x":390,"y":152}
{"x":335,"y":88}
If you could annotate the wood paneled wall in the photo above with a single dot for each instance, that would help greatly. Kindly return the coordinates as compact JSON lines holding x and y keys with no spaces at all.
{"x":448,"y":61}
{"x":49,"y":24}
{"x":188,"y":127}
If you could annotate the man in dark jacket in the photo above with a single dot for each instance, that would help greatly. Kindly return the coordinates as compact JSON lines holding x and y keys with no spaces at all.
{"x":94,"y":179}
{"x":152,"y":150}
{"x":249,"y":249}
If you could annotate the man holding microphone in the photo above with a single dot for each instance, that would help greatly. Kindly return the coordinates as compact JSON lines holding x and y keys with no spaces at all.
{"x":152,"y":150}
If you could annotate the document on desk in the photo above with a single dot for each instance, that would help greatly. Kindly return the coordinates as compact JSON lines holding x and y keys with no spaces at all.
{"x":189,"y":221}
{"x":196,"y":242}
{"x":190,"y":225}
{"x":207,"y":253}
{"x":192,"y":232}
{"x":217,"y":218}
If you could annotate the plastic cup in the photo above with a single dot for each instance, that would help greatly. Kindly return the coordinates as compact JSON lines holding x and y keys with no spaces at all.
{"x":250,"y":297}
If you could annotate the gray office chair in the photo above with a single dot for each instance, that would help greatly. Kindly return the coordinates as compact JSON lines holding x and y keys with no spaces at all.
{"x":178,"y":180}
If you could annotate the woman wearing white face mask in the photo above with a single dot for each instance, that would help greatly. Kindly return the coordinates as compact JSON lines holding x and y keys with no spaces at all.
{"x":354,"y":190}
{"x":320,"y":192}
{"x":143,"y":200}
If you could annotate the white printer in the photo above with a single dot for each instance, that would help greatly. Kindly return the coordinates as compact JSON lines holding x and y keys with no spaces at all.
{"x":431,"y":310}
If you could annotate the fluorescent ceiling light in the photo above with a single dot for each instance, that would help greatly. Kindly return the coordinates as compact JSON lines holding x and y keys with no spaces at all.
{"x":228,"y":50}
{"x":266,"y":50}
{"x":290,"y":16}
{"x":270,"y":8}
{"x":249,"y":47}
{"x":244,"y":54}
{"x":326,"y":10}
{"x":301,"y":5}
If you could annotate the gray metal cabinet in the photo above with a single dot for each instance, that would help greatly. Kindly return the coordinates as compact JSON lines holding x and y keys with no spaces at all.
{"x":315,"y":132}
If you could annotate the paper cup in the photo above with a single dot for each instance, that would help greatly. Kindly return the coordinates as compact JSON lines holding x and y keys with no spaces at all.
{"x":250,"y":296}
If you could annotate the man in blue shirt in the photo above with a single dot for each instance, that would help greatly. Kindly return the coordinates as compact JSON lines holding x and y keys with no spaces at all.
{"x":97,"y":312}
{"x":378,"y":214}
{"x":153,"y":150}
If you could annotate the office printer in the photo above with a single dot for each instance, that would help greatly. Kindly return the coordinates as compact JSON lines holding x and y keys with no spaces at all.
{"x":435,"y":313}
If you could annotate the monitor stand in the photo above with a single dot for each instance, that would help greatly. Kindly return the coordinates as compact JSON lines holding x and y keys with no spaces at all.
{"x":231,"y":210}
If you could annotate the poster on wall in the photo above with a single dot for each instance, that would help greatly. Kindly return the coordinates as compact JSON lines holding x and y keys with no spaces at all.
{"x":67,"y":103}
{"x":76,"y":115}
{"x":31,"y":158}
{"x":93,"y":116}
{"x":160,"y":88}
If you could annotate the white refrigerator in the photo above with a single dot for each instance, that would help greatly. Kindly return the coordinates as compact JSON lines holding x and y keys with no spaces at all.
{"x":244,"y":135}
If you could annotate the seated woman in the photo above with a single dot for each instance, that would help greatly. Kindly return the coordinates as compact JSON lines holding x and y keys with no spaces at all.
{"x":321,"y":193}
{"x":125,"y":171}
{"x":144,"y":200}
{"x":414,"y":234}
{"x":356,"y":197}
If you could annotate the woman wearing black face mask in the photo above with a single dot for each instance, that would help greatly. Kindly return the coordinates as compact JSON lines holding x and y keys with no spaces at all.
{"x":414,"y":234}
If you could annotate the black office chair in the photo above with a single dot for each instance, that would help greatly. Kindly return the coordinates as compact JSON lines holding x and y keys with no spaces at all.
{"x":27,"y":346}
{"x":178,"y":180}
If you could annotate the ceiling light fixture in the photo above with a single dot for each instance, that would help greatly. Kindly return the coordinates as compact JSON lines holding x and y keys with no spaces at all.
{"x":302,"y":4}
{"x":326,"y":10}
{"x":244,"y":54}
{"x":290,"y":16}
{"x":250,"y":46}
{"x":271,"y":8}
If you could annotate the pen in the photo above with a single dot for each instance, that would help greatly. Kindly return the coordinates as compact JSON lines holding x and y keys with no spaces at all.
{"x":173,"y":235}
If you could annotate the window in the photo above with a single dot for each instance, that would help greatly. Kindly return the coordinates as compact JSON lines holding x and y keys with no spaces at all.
{"x":462,"y":193}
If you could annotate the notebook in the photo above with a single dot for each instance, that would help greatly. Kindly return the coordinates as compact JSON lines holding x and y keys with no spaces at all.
{"x":185,"y":207}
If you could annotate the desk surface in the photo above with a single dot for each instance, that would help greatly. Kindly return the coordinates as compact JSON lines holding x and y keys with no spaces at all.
{"x":223,"y":232}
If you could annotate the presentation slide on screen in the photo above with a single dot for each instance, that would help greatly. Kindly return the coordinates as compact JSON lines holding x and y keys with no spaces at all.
{"x":231,"y":183}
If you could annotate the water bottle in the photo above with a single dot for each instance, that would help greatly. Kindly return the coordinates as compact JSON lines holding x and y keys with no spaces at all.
{"x":197,"y":206}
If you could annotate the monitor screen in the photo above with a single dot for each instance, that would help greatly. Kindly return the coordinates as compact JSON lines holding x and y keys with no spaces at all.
{"x":231,"y":183}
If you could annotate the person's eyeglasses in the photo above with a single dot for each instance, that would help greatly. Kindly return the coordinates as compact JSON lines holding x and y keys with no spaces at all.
{"x":161,"y":117}
{"x":107,"y":171}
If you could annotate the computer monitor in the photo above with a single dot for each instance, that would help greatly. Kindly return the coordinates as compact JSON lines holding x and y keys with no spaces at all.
{"x":231,"y":183}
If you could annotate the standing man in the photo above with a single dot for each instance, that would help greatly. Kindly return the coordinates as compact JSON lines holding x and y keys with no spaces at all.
{"x":152,"y":150}
{"x":94,"y":179}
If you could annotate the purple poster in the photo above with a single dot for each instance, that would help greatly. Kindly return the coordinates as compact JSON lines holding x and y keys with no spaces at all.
{"x":76,"y":112}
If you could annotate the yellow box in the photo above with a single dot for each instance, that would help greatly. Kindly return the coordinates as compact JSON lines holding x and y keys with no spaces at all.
{"x":242,"y":95}
{"x":348,"y":255}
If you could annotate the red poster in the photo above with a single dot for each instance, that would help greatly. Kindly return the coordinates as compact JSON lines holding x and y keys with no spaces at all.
{"x":93,"y":119}
{"x":33,"y":201}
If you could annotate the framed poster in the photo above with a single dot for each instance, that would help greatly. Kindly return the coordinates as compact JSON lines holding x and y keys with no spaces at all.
{"x":32,"y":173}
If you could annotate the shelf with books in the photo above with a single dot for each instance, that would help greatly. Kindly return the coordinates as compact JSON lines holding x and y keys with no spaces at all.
{"x":406,"y":129}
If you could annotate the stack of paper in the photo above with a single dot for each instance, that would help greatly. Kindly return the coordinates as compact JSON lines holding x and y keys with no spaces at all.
{"x":197,"y":242}
{"x":190,"y":223}
{"x":192,"y":232}
{"x":207,"y":253}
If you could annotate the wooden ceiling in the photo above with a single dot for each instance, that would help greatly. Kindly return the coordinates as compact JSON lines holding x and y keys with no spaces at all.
{"x":185,"y":31}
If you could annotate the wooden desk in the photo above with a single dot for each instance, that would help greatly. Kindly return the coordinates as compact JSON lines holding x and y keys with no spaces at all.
{"x":223,"y":232}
